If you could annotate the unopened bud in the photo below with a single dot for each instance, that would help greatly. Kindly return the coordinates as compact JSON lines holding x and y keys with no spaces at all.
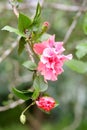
{"x":46,"y":24}
{"x":45,"y":27}
{"x":22,"y":118}
{"x":46,"y":103}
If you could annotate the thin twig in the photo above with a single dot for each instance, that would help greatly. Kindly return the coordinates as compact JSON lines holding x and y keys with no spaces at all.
{"x":8,"y":51}
{"x":30,"y":54}
{"x":63,"y":7}
{"x":74,"y":22}
{"x":72,"y":27}
{"x":58,"y":6}
{"x":14,"y":8}
{"x":12,"y":105}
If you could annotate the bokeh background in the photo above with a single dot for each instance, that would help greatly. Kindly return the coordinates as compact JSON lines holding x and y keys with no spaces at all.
{"x":71,"y":88}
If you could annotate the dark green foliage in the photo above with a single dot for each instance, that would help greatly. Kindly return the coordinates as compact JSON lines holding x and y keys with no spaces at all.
{"x":24,"y":23}
{"x":30,"y":65}
{"x":22,"y":43}
{"x":39,"y":84}
{"x":77,"y":65}
{"x":25,"y":95}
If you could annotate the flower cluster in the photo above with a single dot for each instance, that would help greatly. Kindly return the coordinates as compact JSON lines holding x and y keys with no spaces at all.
{"x":52,"y":59}
{"x":46,"y":103}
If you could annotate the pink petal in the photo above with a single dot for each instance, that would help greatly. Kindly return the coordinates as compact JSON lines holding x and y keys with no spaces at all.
{"x":64,"y":58}
{"x":51,"y":41}
{"x":39,"y":47}
{"x":59,"y":47}
{"x":48,"y":52}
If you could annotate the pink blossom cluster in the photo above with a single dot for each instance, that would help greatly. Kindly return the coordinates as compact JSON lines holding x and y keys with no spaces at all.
{"x":46,"y":103}
{"x":51,"y":59}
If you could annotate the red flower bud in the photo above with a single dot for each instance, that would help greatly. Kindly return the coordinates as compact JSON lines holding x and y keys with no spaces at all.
{"x":46,"y":103}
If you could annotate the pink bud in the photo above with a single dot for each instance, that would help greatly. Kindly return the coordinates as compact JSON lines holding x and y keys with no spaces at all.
{"x":46,"y":103}
{"x":46,"y":24}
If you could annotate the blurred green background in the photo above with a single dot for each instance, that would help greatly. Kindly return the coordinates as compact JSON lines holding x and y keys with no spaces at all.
{"x":71,"y":88}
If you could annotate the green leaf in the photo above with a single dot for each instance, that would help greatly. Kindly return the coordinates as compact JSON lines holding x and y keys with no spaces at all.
{"x":81,"y":50}
{"x":36,"y":20}
{"x":35,"y":94}
{"x":24,"y":22}
{"x":30,"y":65}
{"x":22,"y":43}
{"x":25,"y":95}
{"x":38,"y":12}
{"x":11,"y":29}
{"x":77,"y":65}
{"x":40,"y":84}
{"x":20,"y":0}
{"x":85,"y":24}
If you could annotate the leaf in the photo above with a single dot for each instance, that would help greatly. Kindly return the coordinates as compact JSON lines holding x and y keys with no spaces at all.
{"x":81,"y":50}
{"x":38,"y":12}
{"x":40,"y":84}
{"x":85,"y":24}
{"x":77,"y":65}
{"x":22,"y":43}
{"x":36,"y":20}
{"x":25,"y":95}
{"x":24,"y":22}
{"x":30,"y":65}
{"x":20,"y":0}
{"x":11,"y":29}
{"x":35,"y":94}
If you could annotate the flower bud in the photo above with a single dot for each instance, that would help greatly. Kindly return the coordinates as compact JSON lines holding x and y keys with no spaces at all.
{"x":46,"y":24}
{"x":22,"y":118}
{"x":46,"y":103}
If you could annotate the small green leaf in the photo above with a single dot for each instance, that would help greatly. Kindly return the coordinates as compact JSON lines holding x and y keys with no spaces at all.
{"x":85,"y":24}
{"x":22,"y":43}
{"x":35,"y":94}
{"x":25,"y":95}
{"x":11,"y":29}
{"x":38,"y":12}
{"x":20,"y":0}
{"x":81,"y":50}
{"x":24,"y":22}
{"x":40,"y":84}
{"x":77,"y":65}
{"x":36,"y":19}
{"x":30,"y":65}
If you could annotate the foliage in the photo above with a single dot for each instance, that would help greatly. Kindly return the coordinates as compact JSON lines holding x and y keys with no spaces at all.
{"x":68,"y":87}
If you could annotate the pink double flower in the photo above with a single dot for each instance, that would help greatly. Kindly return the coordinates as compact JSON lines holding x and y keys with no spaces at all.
{"x":51,"y":59}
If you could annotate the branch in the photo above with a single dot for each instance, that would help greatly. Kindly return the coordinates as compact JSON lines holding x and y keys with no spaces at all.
{"x":78,"y":108}
{"x":14,"y":8}
{"x":73,"y":25}
{"x":12,"y":105}
{"x":64,"y":7}
{"x":30,"y":53}
{"x":8,"y":51}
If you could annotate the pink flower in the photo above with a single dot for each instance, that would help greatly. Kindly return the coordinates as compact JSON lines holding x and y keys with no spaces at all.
{"x":50,"y":43}
{"x":52,"y":59}
{"x":46,"y":103}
